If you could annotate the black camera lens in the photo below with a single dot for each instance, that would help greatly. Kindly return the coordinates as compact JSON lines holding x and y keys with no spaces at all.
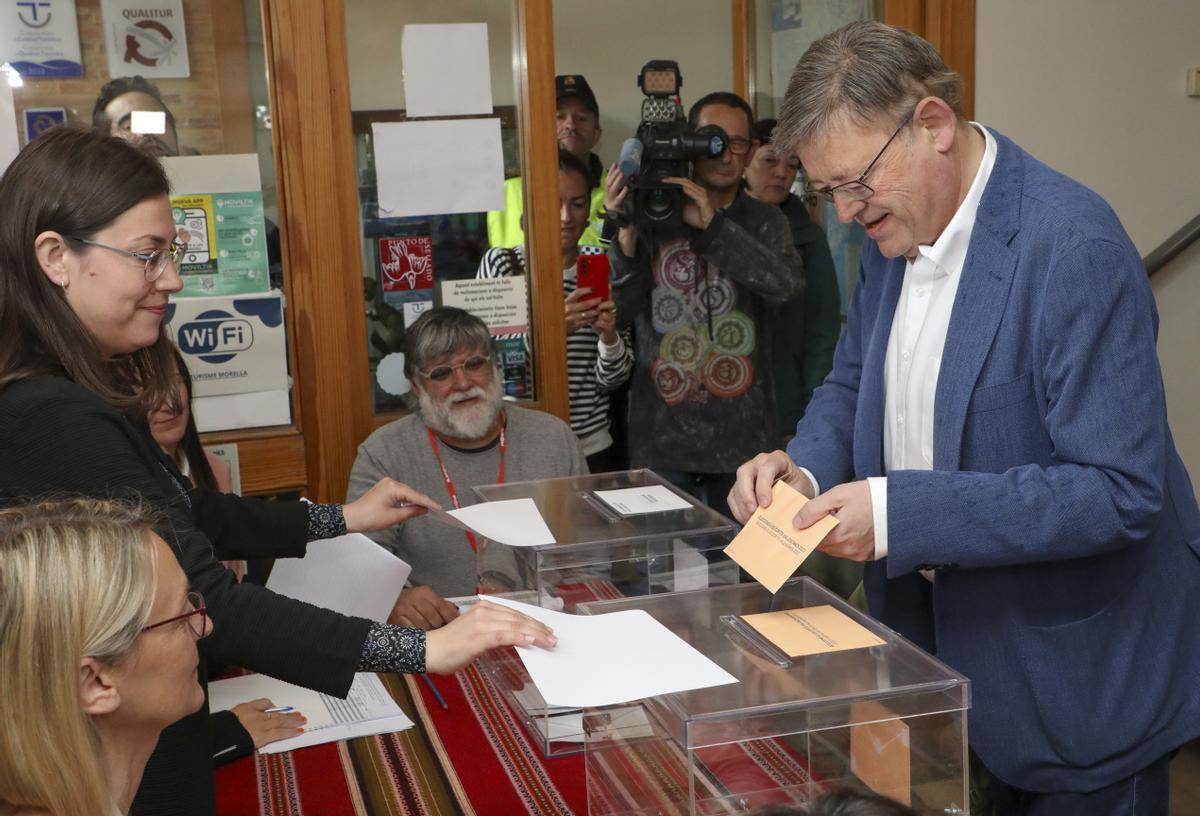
{"x":658,"y":204}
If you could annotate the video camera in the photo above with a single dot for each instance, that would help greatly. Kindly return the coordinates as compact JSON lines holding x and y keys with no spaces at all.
{"x":664,"y":146}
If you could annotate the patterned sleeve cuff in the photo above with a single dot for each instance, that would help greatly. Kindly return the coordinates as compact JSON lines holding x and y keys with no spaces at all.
{"x":325,"y":521}
{"x":393,"y":649}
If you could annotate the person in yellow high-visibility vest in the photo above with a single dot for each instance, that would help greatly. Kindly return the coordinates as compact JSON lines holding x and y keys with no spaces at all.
{"x":578,"y":132}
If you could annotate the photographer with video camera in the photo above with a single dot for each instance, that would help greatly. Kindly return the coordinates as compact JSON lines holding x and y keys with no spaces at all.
{"x":694,"y":263}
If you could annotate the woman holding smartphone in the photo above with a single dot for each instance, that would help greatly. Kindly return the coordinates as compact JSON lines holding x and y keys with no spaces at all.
{"x":599,"y":359}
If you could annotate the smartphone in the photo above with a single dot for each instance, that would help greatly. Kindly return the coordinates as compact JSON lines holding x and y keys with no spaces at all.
{"x":592,"y":271}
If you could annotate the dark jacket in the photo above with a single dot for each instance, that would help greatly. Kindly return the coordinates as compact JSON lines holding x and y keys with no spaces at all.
{"x":805,"y":329}
{"x":701,"y":397}
{"x":59,"y":438}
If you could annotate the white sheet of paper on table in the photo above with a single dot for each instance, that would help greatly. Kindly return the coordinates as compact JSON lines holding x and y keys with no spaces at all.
{"x":612,"y":658}
{"x":637,"y":501}
{"x":367,"y":709}
{"x":350,"y":574}
{"x":514,"y":522}
{"x":438,"y":167}
{"x":447,"y":70}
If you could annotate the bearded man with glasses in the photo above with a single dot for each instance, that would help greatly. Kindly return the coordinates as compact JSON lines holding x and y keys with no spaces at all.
{"x":993,"y":437}
{"x":701,"y":398}
{"x":462,"y":435}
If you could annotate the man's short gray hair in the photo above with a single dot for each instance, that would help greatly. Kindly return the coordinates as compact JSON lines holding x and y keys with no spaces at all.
{"x":441,"y":331}
{"x":868,"y":72}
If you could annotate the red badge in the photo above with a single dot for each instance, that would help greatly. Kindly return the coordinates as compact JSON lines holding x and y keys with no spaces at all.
{"x":406,"y":263}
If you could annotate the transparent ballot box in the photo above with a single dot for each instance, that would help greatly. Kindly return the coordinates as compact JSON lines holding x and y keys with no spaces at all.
{"x":888,"y":718}
{"x":602,"y":551}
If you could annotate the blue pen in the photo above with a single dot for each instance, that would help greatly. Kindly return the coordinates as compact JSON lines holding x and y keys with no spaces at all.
{"x":433,"y":689}
{"x":277,"y":709}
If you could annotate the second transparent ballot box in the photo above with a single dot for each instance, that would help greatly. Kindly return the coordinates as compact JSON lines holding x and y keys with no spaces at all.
{"x":650,"y":538}
{"x":888,"y":718}
{"x":619,"y":534}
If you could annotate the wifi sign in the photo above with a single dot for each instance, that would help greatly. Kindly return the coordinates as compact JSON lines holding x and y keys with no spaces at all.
{"x":215,"y":336}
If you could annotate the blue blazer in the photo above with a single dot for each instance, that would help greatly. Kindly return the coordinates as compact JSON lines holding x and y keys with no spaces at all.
{"x":1058,"y":515}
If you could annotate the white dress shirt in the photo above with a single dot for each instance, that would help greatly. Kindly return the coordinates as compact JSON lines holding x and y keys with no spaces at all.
{"x":918,"y":336}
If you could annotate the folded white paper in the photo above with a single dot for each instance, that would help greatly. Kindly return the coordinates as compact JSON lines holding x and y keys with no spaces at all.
{"x":350,"y":574}
{"x":613,"y":658}
{"x":368,"y":708}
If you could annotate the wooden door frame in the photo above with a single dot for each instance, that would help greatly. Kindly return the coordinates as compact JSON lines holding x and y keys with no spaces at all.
{"x":309,"y":85}
{"x":948,"y":24}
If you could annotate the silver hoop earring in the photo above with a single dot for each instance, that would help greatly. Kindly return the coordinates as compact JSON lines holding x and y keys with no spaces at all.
{"x":64,"y":283}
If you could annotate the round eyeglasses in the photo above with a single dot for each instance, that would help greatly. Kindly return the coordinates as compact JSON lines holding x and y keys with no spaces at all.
{"x":197,"y":619}
{"x":472,"y":366}
{"x":156,"y":261}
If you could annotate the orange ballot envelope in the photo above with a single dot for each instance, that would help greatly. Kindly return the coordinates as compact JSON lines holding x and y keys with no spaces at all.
{"x":769,"y":547}
{"x":812,"y":630}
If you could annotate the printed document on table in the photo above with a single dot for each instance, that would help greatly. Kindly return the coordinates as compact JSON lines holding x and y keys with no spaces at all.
{"x":613,"y":658}
{"x":350,"y":574}
{"x":514,"y":522}
{"x":637,"y":501}
{"x":368,"y":709}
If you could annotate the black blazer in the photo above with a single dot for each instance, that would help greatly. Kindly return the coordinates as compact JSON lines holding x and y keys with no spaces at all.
{"x":58,"y":438}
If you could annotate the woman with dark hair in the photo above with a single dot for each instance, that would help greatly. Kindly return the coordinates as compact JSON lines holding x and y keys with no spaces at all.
{"x":245,"y":727}
{"x":174,"y":429}
{"x":88,"y":258}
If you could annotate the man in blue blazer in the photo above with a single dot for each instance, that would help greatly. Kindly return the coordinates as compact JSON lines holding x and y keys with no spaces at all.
{"x":993,"y":437}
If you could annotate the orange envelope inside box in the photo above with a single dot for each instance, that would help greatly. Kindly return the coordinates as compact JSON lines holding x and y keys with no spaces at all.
{"x":769,"y":547}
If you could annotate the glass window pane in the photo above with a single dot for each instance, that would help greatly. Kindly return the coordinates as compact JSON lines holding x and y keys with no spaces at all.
{"x":188,"y":84}
{"x":783,"y":31}
{"x":413,"y":260}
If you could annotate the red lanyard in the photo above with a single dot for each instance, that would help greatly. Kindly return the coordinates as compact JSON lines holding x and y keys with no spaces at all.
{"x":433,"y":445}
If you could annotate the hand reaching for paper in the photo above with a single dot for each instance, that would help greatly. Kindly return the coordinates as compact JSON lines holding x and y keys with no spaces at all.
{"x":386,"y":504}
{"x":485,"y":626}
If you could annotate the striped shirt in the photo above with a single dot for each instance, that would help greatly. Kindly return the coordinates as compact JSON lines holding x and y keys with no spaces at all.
{"x":593,"y":369}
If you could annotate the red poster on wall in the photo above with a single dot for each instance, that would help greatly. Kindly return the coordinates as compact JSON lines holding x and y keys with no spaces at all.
{"x":406,"y":264}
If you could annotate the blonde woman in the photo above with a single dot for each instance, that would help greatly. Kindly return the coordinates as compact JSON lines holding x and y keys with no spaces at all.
{"x":98,"y":653}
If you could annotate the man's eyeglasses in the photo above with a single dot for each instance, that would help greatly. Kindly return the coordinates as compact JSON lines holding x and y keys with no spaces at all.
{"x":472,"y":366}
{"x":156,"y":261}
{"x":857,"y":190}
{"x":739,"y":146}
{"x":197,"y":618}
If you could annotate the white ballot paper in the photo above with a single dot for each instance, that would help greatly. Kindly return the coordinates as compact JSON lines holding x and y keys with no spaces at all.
{"x":613,"y":658}
{"x":637,"y":501}
{"x":368,"y":709}
{"x":350,"y":574}
{"x":515,"y":522}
